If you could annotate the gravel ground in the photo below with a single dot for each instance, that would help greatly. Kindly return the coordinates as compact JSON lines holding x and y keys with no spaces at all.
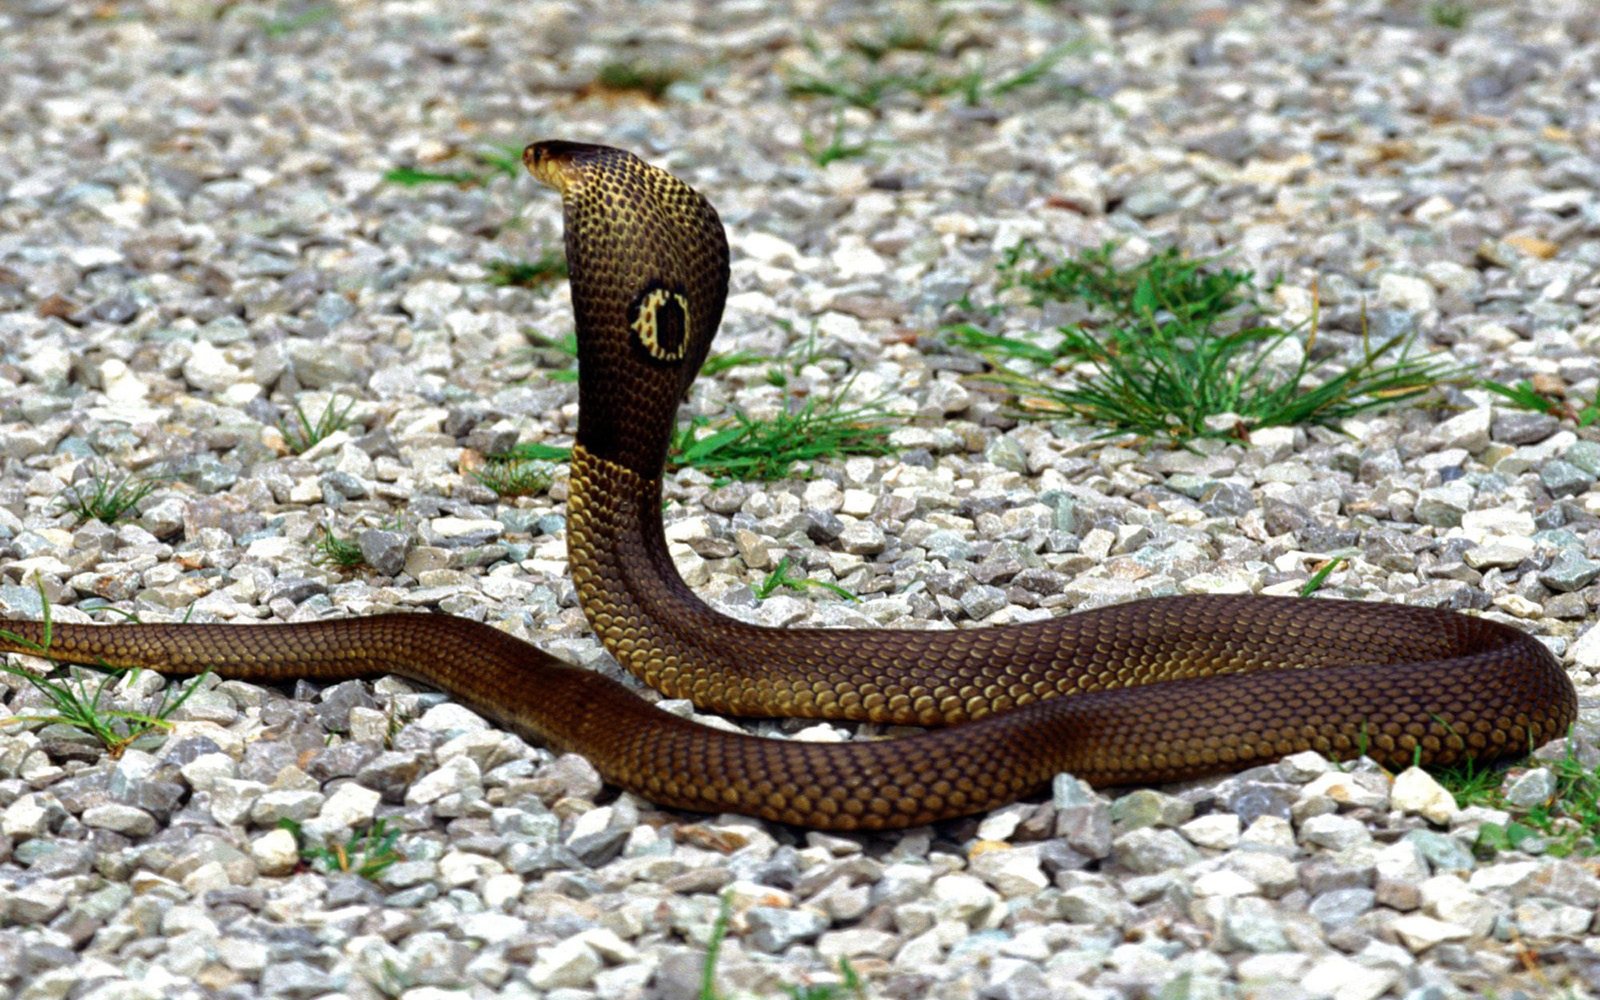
{"x":196,"y":234}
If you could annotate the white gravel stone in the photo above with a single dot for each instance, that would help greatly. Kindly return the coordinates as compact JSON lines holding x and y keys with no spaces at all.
{"x":1348,"y":980}
{"x":1420,"y":932}
{"x":1586,"y":651}
{"x":1416,"y":791}
{"x":119,"y":818}
{"x":455,"y":775}
{"x":1219,"y":831}
{"x":1346,"y":789}
{"x":29,"y":816}
{"x":1406,"y":292}
{"x":1224,"y":883}
{"x":208,"y":369}
{"x":1014,"y":872}
{"x":1335,"y":832}
{"x":569,"y":963}
{"x":275,"y":852}
{"x":1468,"y":430}
{"x":964,"y":898}
{"x":1453,"y":901}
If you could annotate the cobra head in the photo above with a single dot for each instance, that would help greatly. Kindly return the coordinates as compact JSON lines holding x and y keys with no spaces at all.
{"x":648,"y":261}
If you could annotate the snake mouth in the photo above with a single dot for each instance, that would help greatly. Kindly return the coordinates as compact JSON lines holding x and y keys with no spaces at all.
{"x":551,"y":164}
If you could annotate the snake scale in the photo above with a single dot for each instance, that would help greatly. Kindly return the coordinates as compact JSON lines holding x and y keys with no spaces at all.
{"x":1242,"y":680}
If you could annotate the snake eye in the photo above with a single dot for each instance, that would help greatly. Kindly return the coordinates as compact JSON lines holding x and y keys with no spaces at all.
{"x":660,"y":323}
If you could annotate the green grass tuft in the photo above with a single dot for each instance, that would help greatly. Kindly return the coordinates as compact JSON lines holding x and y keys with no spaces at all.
{"x":514,"y":476}
{"x":105,"y":496}
{"x":564,"y":349}
{"x":1524,"y":396}
{"x":779,"y":577}
{"x":499,"y":161}
{"x":366,"y":853}
{"x":1449,"y":14}
{"x":1568,"y":824}
{"x":412,"y":177}
{"x":287,"y":24}
{"x":1320,"y":577}
{"x":548,"y":268}
{"x":1181,"y":350}
{"x":719,"y":931}
{"x":304,"y":433}
{"x":534,"y":451}
{"x":718,"y":363}
{"x":331,"y":550}
{"x":900,"y":35}
{"x":812,"y":991}
{"x":1191,"y":290}
{"x":652,"y":81}
{"x":740,"y":446}
{"x":837,"y":147}
{"x":746,"y":448}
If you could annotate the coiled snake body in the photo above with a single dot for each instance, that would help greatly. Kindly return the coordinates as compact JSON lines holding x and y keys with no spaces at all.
{"x":1243,"y":680}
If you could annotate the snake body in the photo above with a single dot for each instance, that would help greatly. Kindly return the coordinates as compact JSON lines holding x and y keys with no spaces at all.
{"x":1145,"y":692}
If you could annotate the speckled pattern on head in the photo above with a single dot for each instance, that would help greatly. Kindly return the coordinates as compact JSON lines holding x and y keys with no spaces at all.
{"x":1150,"y":691}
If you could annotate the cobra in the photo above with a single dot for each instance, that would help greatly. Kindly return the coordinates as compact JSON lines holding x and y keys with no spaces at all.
{"x":1150,"y":691}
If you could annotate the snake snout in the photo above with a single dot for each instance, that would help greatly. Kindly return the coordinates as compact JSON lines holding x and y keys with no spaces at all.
{"x":548,"y":166}
{"x":560,"y":164}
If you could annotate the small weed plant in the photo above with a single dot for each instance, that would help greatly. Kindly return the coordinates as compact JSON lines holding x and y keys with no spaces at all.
{"x":514,"y":476}
{"x":500,"y":161}
{"x":548,"y":268}
{"x":650,"y":80}
{"x":835,"y":147}
{"x":288,"y":24}
{"x":1320,"y":577}
{"x":341,"y":553}
{"x":717,"y":363}
{"x":105,"y":495}
{"x":849,"y":980}
{"x":781,"y":577}
{"x":534,"y":451}
{"x":1524,"y":395}
{"x":900,"y":35}
{"x":747,"y":448}
{"x":365,"y":853}
{"x":563,"y":349}
{"x":303,"y":433}
{"x":1179,"y":349}
{"x":1565,"y":824}
{"x":743,"y":447}
{"x":1449,"y":14}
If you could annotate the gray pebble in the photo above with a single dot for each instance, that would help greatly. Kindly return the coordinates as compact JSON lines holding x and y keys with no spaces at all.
{"x":981,"y":601}
{"x":1585,"y":455}
{"x":1147,"y":807}
{"x":1521,"y":427}
{"x":1569,"y":571}
{"x":1531,"y":789}
{"x":775,"y":929}
{"x":1563,"y":479}
{"x":1341,"y":907}
{"x":1443,"y":852}
{"x":1148,"y":849}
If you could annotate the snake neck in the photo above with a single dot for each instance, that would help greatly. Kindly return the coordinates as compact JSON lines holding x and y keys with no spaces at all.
{"x":647,"y":617}
{"x":638,"y":605}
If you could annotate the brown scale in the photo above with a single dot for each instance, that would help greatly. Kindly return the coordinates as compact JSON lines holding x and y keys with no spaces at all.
{"x":1242,"y":680}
